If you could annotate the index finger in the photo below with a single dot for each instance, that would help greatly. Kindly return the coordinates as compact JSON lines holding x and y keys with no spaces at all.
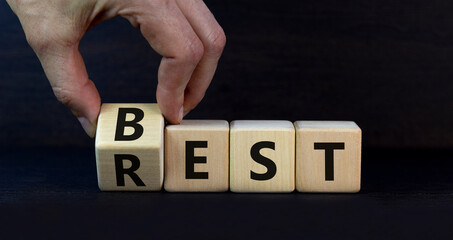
{"x":170,"y":34}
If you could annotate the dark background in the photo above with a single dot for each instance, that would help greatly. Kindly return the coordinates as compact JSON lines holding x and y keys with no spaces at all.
{"x":388,"y":65}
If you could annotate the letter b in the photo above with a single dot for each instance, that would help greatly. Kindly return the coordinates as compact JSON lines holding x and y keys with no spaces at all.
{"x":121,"y":124}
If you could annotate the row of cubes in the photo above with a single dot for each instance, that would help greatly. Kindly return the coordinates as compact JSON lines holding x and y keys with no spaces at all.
{"x":135,"y":151}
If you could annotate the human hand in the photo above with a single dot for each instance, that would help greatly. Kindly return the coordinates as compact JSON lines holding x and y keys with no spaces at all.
{"x":184,"y":32}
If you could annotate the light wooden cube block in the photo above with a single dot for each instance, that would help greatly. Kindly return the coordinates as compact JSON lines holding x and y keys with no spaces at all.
{"x":262,"y":156}
{"x":129,"y":147}
{"x":196,"y":156}
{"x":328,"y":156}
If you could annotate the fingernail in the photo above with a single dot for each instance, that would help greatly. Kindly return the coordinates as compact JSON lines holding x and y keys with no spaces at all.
{"x":89,"y":128}
{"x":181,"y":114}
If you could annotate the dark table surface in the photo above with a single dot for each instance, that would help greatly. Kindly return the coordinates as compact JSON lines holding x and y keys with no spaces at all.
{"x":52,"y":192}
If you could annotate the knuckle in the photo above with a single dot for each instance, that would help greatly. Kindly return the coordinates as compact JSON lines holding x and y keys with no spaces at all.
{"x":63,"y":95}
{"x":37,"y":42}
{"x":194,"y":51}
{"x":42,"y":37}
{"x":216,"y":42}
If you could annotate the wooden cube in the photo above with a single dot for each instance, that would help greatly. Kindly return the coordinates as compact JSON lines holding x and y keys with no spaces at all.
{"x":328,"y":156}
{"x":129,"y":147}
{"x":196,"y":156}
{"x":262,"y":156}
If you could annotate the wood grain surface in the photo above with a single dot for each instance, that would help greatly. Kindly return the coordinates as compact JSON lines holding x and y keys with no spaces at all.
{"x":147,"y":150}
{"x":311,"y":162}
{"x":276,"y":161}
{"x":211,"y":160}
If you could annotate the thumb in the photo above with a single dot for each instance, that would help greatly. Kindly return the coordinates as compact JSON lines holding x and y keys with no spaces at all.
{"x":65,"y":69}
{"x":54,"y":32}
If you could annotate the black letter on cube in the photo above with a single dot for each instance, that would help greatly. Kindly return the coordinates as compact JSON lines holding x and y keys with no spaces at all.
{"x":329,"y":148}
{"x":121,"y":124}
{"x":121,"y":171}
{"x":191,"y":160}
{"x":269,"y":164}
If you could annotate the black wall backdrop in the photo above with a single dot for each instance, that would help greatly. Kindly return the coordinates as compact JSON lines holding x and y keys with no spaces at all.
{"x":388,"y":65}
